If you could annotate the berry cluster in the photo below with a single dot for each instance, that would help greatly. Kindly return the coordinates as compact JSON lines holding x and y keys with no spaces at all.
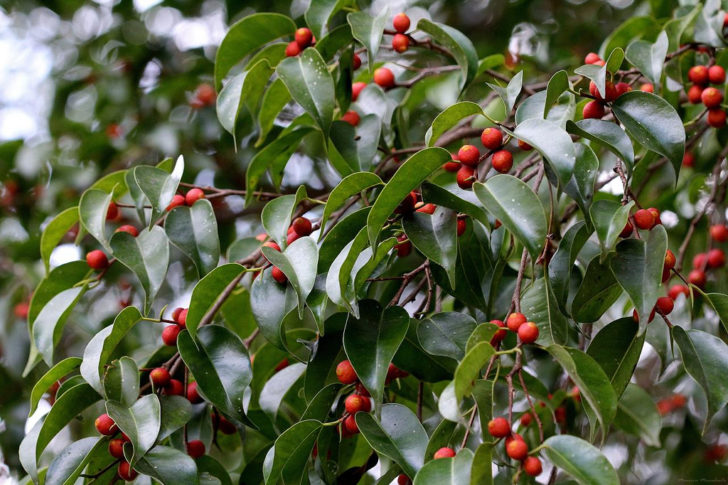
{"x":303,"y":38}
{"x":516,"y":447}
{"x":170,"y":332}
{"x":466,"y":162}
{"x":711,"y":97}
{"x":516,"y":322}
{"x":300,"y":227}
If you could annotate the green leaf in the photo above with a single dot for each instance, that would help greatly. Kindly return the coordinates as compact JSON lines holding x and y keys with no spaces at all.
{"x":55,"y":231}
{"x":140,"y":422}
{"x":598,"y":74}
{"x":534,"y":106}
{"x":339,"y":236}
{"x":121,"y":382}
{"x":274,"y":99}
{"x":319,"y":13}
{"x":276,"y":215}
{"x":481,"y":472}
{"x":519,"y":209}
{"x":54,"y":374}
{"x":562,"y":262}
{"x":63,"y":277}
{"x":632,"y":28}
{"x":649,"y":58}
{"x":271,"y":397}
{"x":357,"y":145}
{"x":558,"y":84}
{"x":597,"y":292}
{"x":48,"y":325}
{"x":455,"y":198}
{"x":719,"y":302}
{"x":397,"y":434}
{"x":286,"y":460}
{"x":705,"y":358}
{"x":70,"y":462}
{"x":469,"y":369}
{"x":616,"y":348}
{"x":92,"y":209}
{"x":169,"y":466}
{"x":176,"y":412}
{"x":609,"y":219}
{"x":270,"y":302}
{"x":453,"y":471}
{"x":221,"y":367}
{"x":207,"y":292}
{"x":368,"y":30}
{"x":606,"y":134}
{"x":637,"y":266}
{"x":194,"y":231}
{"x":708,"y":27}
{"x":409,"y":175}
{"x":510,"y":93}
{"x":424,"y":366}
{"x":446,"y":334}
{"x":552,"y":142}
{"x":581,"y":460}
{"x":146,"y":255}
{"x":654,"y":123}
{"x":310,"y":83}
{"x":67,"y":406}
{"x":298,"y":262}
{"x":102,"y":345}
{"x":349,"y":186}
{"x":637,"y":414}
{"x":208,"y":466}
{"x":371,"y":342}
{"x":245,"y":36}
{"x":243,"y":248}
{"x":539,"y":304}
{"x":449,"y":118}
{"x":457,"y":44}
{"x":159,"y":186}
{"x":435,"y":236}
{"x":593,"y":383}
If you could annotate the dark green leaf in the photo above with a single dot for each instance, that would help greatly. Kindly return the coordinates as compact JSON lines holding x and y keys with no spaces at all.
{"x":70,"y":462}
{"x":449,"y":118}
{"x":286,"y":460}
{"x":92,"y":209}
{"x":581,"y":460}
{"x":606,"y":134}
{"x":276,"y":215}
{"x":458,"y":45}
{"x":539,"y":304}
{"x":54,"y":374}
{"x":121,"y":382}
{"x":719,"y":302}
{"x":558,"y":84}
{"x":446,"y":334}
{"x":358,"y":145}
{"x":616,"y":348}
{"x":270,"y":302}
{"x":169,"y":466}
{"x":562,"y":262}
{"x":54,"y":232}
{"x":48,"y":325}
{"x":435,"y":236}
{"x":194,"y":231}
{"x":274,"y":99}
{"x":368,"y":30}
{"x":469,"y":369}
{"x":649,"y":58}
{"x":320,"y":12}
{"x":348,"y":187}
{"x":609,"y":218}
{"x":597,"y":292}
{"x":455,"y":198}
{"x":510,"y":93}
{"x":208,"y":290}
{"x":552,"y":142}
{"x":453,"y":471}
{"x":271,"y":397}
{"x":141,"y":423}
{"x":176,"y":412}
{"x":159,"y":186}
{"x":637,"y":414}
{"x":298,"y":262}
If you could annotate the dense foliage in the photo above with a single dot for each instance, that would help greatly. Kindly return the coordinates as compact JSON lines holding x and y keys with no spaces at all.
{"x":437,"y":268}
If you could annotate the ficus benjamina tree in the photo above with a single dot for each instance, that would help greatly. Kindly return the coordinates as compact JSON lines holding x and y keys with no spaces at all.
{"x":526,"y":284}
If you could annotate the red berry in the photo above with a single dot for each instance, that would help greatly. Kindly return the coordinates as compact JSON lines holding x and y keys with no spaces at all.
{"x":665,"y":305}
{"x":195,"y":448}
{"x":345,"y":373}
{"x":21,"y":310}
{"x":205,"y":94}
{"x":627,"y":231}
{"x":676,"y":290}
{"x":491,"y":138}
{"x":356,"y":63}
{"x":174,"y":388}
{"x":112,"y":212}
{"x":302,"y":226}
{"x":593,"y":109}
{"x":524,"y":146}
{"x":636,"y":317}
{"x":697,"y":278}
{"x":192,"y":395}
{"x":656,"y":214}
{"x":356,"y":89}
{"x":169,"y":334}
{"x":182,"y":317}
{"x":528,"y":333}
{"x":96,"y":259}
{"x":384,"y":78}
{"x":407,"y":206}
{"x":688,"y":159}
{"x":719,"y":232}
{"x":592,"y":58}
{"x":105,"y":425}
{"x":526,"y":419}
{"x":716,"y":74}
{"x":128,"y":228}
{"x":644,"y":219}
{"x":400,"y":42}
{"x":350,"y":425}
{"x":462,"y":225}
{"x":670,"y":259}
{"x":126,"y":472}
{"x":610,"y":91}
{"x":647,"y":88}
{"x":404,"y":247}
{"x":517,"y":449}
{"x":532,"y":466}
{"x":514,"y":321}
{"x":622,"y":88}
{"x":453,"y":166}
{"x":444,"y":452}
{"x":711,"y":97}
{"x":700,"y":261}
{"x":278,"y":275}
{"x":403,"y":479}
{"x":695,"y":94}
{"x":716,"y":118}
{"x":516,"y":436}
{"x":193,"y":196}
{"x":427,"y":208}
{"x":159,"y":376}
{"x":293,"y":49}
{"x":469,"y":155}
{"x":116,"y":448}
{"x":698,"y":75}
{"x":355,"y":403}
{"x":716,"y":258}
{"x":351,"y":117}
{"x":225,"y":426}
{"x":499,"y":335}
{"x":465,"y":177}
{"x":499,"y":427}
{"x":177,"y":201}
{"x":401,"y":23}
{"x":679,"y":400}
{"x":502,"y":161}
{"x":303,"y":37}
{"x":281,"y":365}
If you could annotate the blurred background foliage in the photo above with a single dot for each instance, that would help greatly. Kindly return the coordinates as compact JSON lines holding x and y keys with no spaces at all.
{"x":90,"y":87}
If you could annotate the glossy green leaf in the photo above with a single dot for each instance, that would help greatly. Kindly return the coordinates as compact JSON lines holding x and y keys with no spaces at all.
{"x":54,"y":374}
{"x":558,"y":84}
{"x":211,"y":469}
{"x":637,"y":414}
{"x":517,"y":207}
{"x":348,"y":187}
{"x":561,"y":264}
{"x":581,"y":185}
{"x":449,"y":118}
{"x":481,"y":472}
{"x":176,"y":412}
{"x":596,"y":293}
{"x":121,"y":381}
{"x":168,"y":465}
{"x":446,"y":334}
{"x":368,"y":30}
{"x":147,"y":256}
{"x":358,"y":145}
{"x":469,"y":368}
{"x":48,"y":325}
{"x":609,"y":219}
{"x":632,"y":28}
{"x":371,"y":341}
{"x":102,"y":345}
{"x":194,"y":231}
{"x":63,"y":277}
{"x":276,"y":215}
{"x":140,"y":422}
{"x":648,"y":57}
{"x":70,"y":462}
{"x":539,"y":304}
{"x":424,"y":366}
{"x":298,"y":262}
{"x":54,"y":233}
{"x":274,"y":99}
{"x":159,"y":186}
{"x":247,"y":35}
{"x":719,"y":302}
{"x":708,"y":27}
{"x":637,"y":266}
{"x":92,"y":209}
{"x":606,"y":134}
{"x":271,"y":302}
{"x":585,"y":463}
{"x":320,"y":12}
{"x":654,"y":123}
{"x":397,"y":434}
{"x":207,"y":292}
{"x":457,"y":44}
{"x":705,"y":358}
{"x":552,"y":142}
{"x":245,"y":89}
{"x":409,"y":175}
{"x":510,"y":93}
{"x":339,"y":236}
{"x":310,"y":84}
{"x":286,"y":460}
{"x":616,"y":348}
{"x":455,"y":198}
{"x":534,"y":106}
{"x":435,"y":236}
{"x":271,"y":397}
